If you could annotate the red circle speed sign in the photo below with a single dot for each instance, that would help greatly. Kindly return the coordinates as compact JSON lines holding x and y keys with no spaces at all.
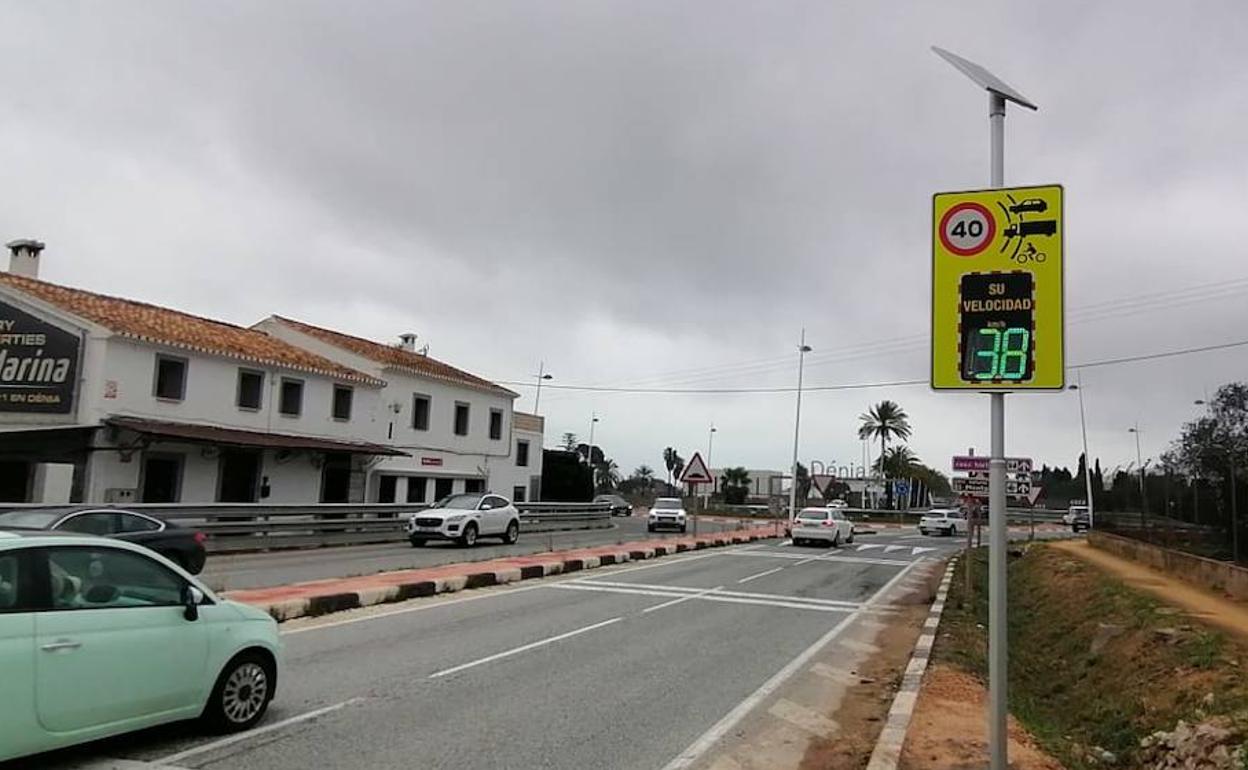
{"x":967,"y":228}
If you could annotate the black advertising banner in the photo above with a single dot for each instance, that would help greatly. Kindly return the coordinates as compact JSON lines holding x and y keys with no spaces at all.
{"x":38,"y":364}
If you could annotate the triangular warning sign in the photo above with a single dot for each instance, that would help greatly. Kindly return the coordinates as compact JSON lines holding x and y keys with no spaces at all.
{"x":822,"y":481}
{"x":696,"y":472}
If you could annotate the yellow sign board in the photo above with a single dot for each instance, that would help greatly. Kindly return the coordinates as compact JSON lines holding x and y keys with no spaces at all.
{"x":998,"y":314}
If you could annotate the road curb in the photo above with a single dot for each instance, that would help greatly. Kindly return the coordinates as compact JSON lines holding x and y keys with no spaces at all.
{"x":887,"y":750}
{"x":322,"y":597}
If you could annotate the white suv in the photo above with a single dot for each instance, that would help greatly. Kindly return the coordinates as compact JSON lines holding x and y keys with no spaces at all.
{"x":821,"y":525}
{"x":464,"y":518}
{"x":943,"y":521}
{"x":667,"y":512}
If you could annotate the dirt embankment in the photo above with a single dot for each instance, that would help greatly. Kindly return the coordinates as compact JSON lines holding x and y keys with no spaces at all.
{"x":1098,"y":666}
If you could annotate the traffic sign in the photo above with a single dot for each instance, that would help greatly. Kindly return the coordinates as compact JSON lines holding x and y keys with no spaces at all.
{"x":696,"y":472}
{"x":979,"y":487}
{"x":978,"y":463}
{"x":822,"y":481}
{"x":998,"y":318}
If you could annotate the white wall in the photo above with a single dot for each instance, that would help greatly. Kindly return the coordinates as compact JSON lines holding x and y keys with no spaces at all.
{"x":211,"y":394}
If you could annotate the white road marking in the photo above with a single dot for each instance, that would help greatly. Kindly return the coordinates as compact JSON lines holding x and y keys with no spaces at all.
{"x":786,"y":542}
{"x":721,"y":728}
{"x":122,"y":764}
{"x":685,"y":589}
{"x":719,"y":596}
{"x":204,"y":748}
{"x":916,"y":550}
{"x":548,"y":582}
{"x":806,"y":561}
{"x":799,"y":557}
{"x":523,"y":648}
{"x":760,"y":574}
{"x":674,"y":602}
{"x":869,"y":546}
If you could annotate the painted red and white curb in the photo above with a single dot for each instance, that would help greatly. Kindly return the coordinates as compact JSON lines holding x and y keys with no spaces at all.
{"x":888,"y":747}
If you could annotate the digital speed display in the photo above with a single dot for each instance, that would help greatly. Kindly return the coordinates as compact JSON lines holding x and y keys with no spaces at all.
{"x":996,"y":323}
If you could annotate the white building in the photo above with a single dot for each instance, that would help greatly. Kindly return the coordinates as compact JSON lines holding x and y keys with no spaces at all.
{"x":457,"y":432}
{"x":105,"y":399}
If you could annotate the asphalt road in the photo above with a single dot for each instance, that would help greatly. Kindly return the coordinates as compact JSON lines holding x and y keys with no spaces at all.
{"x":261,"y":570}
{"x":623,"y":667}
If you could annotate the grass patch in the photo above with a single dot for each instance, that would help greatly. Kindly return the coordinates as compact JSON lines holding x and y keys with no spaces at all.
{"x":1093,"y":662}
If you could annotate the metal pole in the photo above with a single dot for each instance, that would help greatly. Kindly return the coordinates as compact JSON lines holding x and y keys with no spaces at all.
{"x":710,"y":444}
{"x":1087,"y":459}
{"x":589,"y":455}
{"x":998,"y":735}
{"x":1234,"y":513}
{"x":541,"y":372}
{"x":797,"y":426}
{"x":1140,"y":462}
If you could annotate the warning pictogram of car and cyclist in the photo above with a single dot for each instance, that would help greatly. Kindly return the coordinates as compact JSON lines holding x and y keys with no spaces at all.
{"x":1026,"y":226}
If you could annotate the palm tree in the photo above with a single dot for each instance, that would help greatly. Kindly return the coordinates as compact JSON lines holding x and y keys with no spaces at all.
{"x":607,"y":474}
{"x":669,"y":460}
{"x":885,"y":420}
{"x":736,"y":483}
{"x":643,"y":473}
{"x":898,"y":462}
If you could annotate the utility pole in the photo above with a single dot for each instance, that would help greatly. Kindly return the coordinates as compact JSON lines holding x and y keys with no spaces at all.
{"x":802,"y":350}
{"x":541,"y":375}
{"x":1138,"y":461}
{"x":1087,"y":459}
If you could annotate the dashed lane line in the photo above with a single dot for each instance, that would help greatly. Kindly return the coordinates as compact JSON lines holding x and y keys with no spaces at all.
{"x":523,"y":648}
{"x":757,"y":575}
{"x":674,"y":602}
{"x":204,"y":748}
{"x":717,"y":596}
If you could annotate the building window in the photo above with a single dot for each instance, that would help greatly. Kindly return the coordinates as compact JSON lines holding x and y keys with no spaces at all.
{"x":496,"y":424}
{"x":250,"y":388}
{"x":342,"y":402}
{"x":517,"y":494}
{"x":461,"y":418}
{"x":416,"y":488}
{"x":420,"y":412}
{"x":474,"y":485}
{"x":170,"y":378}
{"x":290,"y":402}
{"x":386,"y":486}
{"x":522,"y":454}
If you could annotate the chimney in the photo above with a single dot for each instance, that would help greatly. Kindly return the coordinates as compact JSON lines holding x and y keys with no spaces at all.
{"x":407,"y":342}
{"x":24,"y":258}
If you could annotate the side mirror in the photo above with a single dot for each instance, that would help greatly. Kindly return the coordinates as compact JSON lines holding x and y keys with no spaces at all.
{"x":191,"y":598}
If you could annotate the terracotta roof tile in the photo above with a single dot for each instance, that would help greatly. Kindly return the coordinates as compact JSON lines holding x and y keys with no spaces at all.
{"x":395,"y":357}
{"x":150,"y":323}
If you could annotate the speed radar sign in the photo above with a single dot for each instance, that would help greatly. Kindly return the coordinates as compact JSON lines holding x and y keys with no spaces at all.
{"x":967,"y":228}
{"x":997,"y":290}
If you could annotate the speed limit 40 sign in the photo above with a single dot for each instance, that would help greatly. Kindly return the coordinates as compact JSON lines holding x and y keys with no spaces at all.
{"x":998,"y":318}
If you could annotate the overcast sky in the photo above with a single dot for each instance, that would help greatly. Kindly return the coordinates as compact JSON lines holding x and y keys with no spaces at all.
{"x":657,"y":194}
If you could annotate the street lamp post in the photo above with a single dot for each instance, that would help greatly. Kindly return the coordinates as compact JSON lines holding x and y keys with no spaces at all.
{"x":802,"y":350}
{"x":1143,"y":500}
{"x":1087,"y":459}
{"x":589,"y":454}
{"x":710,"y":444}
{"x":541,"y":375}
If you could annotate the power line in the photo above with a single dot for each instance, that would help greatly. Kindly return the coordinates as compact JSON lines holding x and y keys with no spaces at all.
{"x":857,"y":385}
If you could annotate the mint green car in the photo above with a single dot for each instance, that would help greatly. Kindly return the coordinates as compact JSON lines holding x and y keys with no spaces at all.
{"x":100,"y":637}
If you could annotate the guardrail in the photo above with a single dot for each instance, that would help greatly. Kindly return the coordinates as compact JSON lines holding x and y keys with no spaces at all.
{"x":258,"y":527}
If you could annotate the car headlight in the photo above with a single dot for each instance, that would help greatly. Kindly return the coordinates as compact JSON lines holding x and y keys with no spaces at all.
{"x":456,"y":519}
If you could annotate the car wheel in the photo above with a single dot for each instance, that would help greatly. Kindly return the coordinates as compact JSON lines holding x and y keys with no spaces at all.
{"x":836,"y":540}
{"x":416,"y":542}
{"x":682,"y":529}
{"x":513,"y":533}
{"x":469,"y":538}
{"x":850,"y":540}
{"x":649,"y":528}
{"x":242,"y":693}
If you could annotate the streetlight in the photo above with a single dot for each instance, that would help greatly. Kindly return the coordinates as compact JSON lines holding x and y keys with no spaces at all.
{"x":1087,"y":459}
{"x":710,"y":443}
{"x":1143,"y":500}
{"x":589,"y":453}
{"x":802,"y":350}
{"x":1230,"y":460}
{"x":541,"y":375}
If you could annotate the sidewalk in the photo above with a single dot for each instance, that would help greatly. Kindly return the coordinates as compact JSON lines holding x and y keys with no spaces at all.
{"x":1199,"y":603}
{"x":319,"y":597}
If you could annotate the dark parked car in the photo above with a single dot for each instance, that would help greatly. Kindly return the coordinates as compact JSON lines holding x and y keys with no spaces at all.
{"x":183,"y":546}
{"x":1081,"y":523}
{"x":619,"y":506}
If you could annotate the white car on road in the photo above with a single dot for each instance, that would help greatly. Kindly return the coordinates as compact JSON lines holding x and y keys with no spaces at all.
{"x":822,"y":525}
{"x":943,"y":521}
{"x":464,"y":518}
{"x":667,"y":512}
